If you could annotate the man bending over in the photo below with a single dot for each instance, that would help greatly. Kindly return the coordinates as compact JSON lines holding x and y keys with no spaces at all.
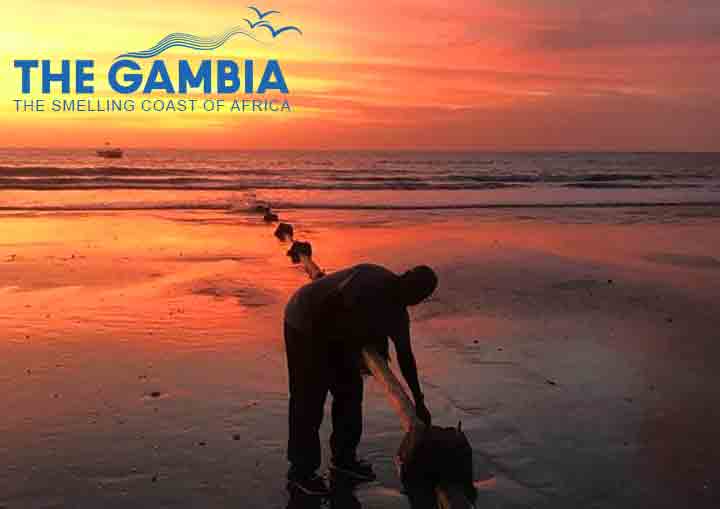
{"x":327,"y":323}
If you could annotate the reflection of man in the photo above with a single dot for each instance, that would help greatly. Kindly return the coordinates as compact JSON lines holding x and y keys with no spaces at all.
{"x":327,"y":323}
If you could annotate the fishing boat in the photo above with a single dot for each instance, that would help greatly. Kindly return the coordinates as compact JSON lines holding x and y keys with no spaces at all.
{"x":109,"y":153}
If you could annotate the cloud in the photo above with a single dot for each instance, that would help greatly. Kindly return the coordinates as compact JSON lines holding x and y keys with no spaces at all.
{"x":612,"y":25}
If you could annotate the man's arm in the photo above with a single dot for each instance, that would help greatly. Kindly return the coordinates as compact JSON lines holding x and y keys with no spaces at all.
{"x":408,"y":368}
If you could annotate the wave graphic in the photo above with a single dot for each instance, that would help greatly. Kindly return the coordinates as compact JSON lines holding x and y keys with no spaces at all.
{"x":190,"y":41}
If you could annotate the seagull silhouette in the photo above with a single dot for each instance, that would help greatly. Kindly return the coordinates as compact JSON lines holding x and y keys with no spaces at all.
{"x":262,"y":15}
{"x":253,"y":25}
{"x":277,"y":32}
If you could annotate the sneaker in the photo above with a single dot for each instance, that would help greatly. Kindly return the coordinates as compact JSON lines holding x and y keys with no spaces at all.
{"x":354,"y":469}
{"x":309,"y":484}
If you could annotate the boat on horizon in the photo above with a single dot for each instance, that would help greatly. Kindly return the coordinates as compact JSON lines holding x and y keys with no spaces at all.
{"x":109,"y":153}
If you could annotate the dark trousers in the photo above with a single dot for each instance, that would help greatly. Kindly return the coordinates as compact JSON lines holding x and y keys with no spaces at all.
{"x":316,"y":366}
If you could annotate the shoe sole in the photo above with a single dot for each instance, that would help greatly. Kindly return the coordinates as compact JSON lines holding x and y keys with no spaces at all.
{"x":294,"y":485}
{"x":353,"y":474}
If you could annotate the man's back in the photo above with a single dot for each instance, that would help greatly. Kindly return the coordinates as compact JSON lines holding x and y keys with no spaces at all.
{"x":366,"y":294}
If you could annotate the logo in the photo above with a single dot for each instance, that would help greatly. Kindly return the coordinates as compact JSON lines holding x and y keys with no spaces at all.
{"x":127,"y":76}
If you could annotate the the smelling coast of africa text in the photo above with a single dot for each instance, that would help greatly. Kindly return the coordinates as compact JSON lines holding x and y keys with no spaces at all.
{"x":156,"y":105}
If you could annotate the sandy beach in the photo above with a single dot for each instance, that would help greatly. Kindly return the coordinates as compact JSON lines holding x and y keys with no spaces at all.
{"x":141,"y":361}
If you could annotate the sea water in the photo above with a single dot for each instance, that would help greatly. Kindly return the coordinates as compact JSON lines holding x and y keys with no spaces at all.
{"x":352,"y":180}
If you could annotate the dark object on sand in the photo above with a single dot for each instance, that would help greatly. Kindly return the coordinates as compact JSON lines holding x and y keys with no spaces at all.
{"x":435,"y":464}
{"x":284,"y":231}
{"x":434,"y":458}
{"x":299,"y":249}
{"x":270,"y":217}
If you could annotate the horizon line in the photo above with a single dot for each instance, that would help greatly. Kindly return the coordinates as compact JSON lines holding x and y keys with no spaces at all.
{"x":386,"y":149}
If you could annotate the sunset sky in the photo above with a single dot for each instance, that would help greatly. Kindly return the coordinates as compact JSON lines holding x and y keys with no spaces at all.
{"x":422,"y":74}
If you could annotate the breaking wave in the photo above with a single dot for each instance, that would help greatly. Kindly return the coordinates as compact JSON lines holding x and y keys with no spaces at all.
{"x":324,"y":177}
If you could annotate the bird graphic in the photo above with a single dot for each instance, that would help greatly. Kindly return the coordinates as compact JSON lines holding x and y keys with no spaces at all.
{"x":278,"y":31}
{"x":261,"y":22}
{"x":253,"y":25}
{"x":262,"y":15}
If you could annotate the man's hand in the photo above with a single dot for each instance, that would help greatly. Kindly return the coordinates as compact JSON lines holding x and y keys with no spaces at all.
{"x":423,"y":413}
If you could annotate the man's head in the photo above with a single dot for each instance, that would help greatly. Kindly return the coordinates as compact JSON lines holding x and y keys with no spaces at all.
{"x":416,"y":285}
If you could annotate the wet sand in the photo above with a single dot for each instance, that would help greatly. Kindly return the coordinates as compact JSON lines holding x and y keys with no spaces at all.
{"x":141,"y":359}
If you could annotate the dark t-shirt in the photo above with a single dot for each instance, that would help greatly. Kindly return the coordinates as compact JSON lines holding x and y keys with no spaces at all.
{"x":354,"y":304}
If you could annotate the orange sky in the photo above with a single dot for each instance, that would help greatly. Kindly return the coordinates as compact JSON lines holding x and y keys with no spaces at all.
{"x":424,"y":74}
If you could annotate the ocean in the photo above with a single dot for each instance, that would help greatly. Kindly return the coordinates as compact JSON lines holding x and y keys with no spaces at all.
{"x":181,"y":179}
